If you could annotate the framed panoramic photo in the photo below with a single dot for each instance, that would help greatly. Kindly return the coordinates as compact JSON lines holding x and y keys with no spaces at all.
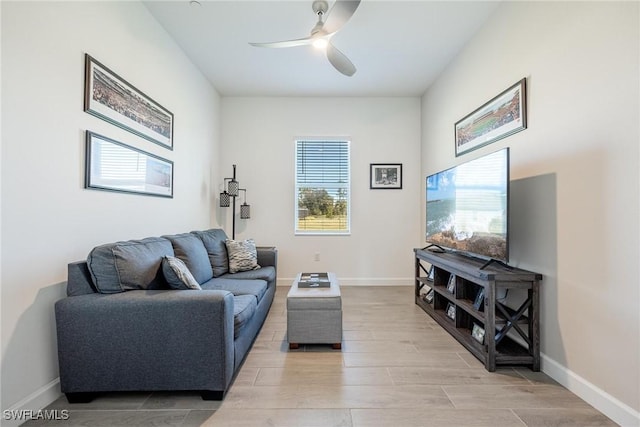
{"x":502,"y":116}
{"x":385,"y":176}
{"x":109,"y":97}
{"x":113,"y":166}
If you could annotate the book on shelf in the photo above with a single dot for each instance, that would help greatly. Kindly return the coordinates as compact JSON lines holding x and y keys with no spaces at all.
{"x":314,"y":280}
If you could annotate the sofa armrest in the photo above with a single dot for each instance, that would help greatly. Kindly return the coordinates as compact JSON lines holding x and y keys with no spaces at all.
{"x":146,"y":340}
{"x":267,"y":256}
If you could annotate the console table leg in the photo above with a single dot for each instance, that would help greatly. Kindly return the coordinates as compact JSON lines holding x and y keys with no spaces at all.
{"x":534,"y":326}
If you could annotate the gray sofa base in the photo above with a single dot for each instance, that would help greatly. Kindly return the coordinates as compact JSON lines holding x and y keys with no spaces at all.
{"x":82,"y":397}
{"x":87,"y":397}
{"x":207,"y":365}
{"x":242,"y":346}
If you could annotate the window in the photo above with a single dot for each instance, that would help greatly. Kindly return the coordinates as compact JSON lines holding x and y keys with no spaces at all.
{"x":322,"y":187}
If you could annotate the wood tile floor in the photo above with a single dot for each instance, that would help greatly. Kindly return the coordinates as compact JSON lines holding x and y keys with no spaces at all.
{"x":396,"y":368}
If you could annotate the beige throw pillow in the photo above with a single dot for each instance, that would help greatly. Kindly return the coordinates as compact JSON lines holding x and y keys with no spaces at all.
{"x":243,"y":255}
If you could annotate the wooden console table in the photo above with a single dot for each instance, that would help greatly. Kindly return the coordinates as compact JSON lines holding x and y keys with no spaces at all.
{"x":460,"y":294}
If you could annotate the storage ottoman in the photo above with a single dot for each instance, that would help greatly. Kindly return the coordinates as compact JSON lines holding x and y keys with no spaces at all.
{"x":314,"y":315}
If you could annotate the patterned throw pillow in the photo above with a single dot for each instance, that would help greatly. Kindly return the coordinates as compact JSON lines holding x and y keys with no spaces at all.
{"x":177,"y":274}
{"x":243,"y":255}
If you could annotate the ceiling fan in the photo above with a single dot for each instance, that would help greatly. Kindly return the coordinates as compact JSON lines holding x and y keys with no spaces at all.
{"x":321,"y":33}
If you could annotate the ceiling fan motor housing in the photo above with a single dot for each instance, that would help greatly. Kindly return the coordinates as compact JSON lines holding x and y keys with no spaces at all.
{"x":320,"y":7}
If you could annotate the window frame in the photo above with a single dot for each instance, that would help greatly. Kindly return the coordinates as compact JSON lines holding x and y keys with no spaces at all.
{"x":331,"y":232}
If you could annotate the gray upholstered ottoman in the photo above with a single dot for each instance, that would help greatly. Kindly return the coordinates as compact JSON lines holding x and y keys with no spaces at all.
{"x":314,"y":315}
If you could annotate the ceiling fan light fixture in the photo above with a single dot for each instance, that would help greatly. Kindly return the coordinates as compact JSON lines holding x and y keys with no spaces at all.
{"x":320,"y":43}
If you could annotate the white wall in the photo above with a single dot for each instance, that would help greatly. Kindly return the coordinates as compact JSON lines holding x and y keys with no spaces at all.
{"x":48,"y":218}
{"x":258,"y":135}
{"x":575,"y":178}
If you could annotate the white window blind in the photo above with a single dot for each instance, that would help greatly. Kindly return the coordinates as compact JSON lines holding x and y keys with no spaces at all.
{"x":322,"y":187}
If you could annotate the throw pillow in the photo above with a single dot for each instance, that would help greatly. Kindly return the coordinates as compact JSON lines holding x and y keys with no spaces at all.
{"x":216,"y":249}
{"x":191,"y":250}
{"x":177,"y":274}
{"x":243,"y":255}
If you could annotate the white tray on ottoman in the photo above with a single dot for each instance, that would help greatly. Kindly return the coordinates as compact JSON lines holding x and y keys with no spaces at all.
{"x":314,"y":315}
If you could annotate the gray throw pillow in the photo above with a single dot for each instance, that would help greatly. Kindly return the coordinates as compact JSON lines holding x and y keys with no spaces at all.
{"x":177,"y":274}
{"x":213,"y":241}
{"x":190,"y":249}
{"x":243,"y":255}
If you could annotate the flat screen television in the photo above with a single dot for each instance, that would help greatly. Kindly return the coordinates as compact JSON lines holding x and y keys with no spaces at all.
{"x":468,"y":207}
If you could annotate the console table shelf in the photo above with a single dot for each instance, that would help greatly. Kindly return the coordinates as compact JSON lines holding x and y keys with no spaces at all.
{"x":463,"y":300}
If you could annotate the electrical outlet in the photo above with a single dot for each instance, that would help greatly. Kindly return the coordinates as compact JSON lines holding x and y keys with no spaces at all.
{"x":317,"y":256}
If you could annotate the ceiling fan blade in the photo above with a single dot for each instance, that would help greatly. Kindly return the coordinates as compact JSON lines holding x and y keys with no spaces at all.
{"x":339,"y":14}
{"x":285,"y":43}
{"x":340,"y":61}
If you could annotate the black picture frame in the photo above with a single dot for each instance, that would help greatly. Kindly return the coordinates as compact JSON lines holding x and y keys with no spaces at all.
{"x":431,"y":274}
{"x":385,"y":176}
{"x":451,"y":311}
{"x":502,"y":116}
{"x":451,"y":284}
{"x":478,"y":303}
{"x":111,"y":98}
{"x":428,"y":297}
{"x":111,"y":165}
{"x":478,"y":333}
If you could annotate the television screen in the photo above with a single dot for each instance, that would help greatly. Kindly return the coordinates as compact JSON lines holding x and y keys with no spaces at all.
{"x":467,"y":207}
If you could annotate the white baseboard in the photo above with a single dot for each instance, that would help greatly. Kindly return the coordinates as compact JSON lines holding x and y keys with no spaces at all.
{"x":33,"y":403}
{"x":360,"y":281}
{"x":596,"y":397}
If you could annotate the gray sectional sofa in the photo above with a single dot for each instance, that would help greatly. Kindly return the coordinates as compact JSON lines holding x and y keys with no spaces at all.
{"x":132,"y":322}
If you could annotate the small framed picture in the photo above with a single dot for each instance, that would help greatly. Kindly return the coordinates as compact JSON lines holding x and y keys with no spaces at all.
{"x":428,"y":297}
{"x":478,"y":333}
{"x":451,"y":285}
{"x":431,"y":274}
{"x":478,"y":303}
{"x":385,"y":176}
{"x":451,"y":311}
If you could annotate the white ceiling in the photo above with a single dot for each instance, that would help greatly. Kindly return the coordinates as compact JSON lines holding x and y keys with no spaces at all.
{"x":398,"y":47}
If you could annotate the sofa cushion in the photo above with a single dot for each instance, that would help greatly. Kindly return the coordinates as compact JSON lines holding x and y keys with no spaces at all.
{"x":243,"y":255}
{"x":134,"y":264}
{"x":177,"y":274}
{"x":213,"y":241}
{"x":190,"y":249}
{"x":267,"y":273}
{"x":257,"y":288}
{"x":244,"y":306}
